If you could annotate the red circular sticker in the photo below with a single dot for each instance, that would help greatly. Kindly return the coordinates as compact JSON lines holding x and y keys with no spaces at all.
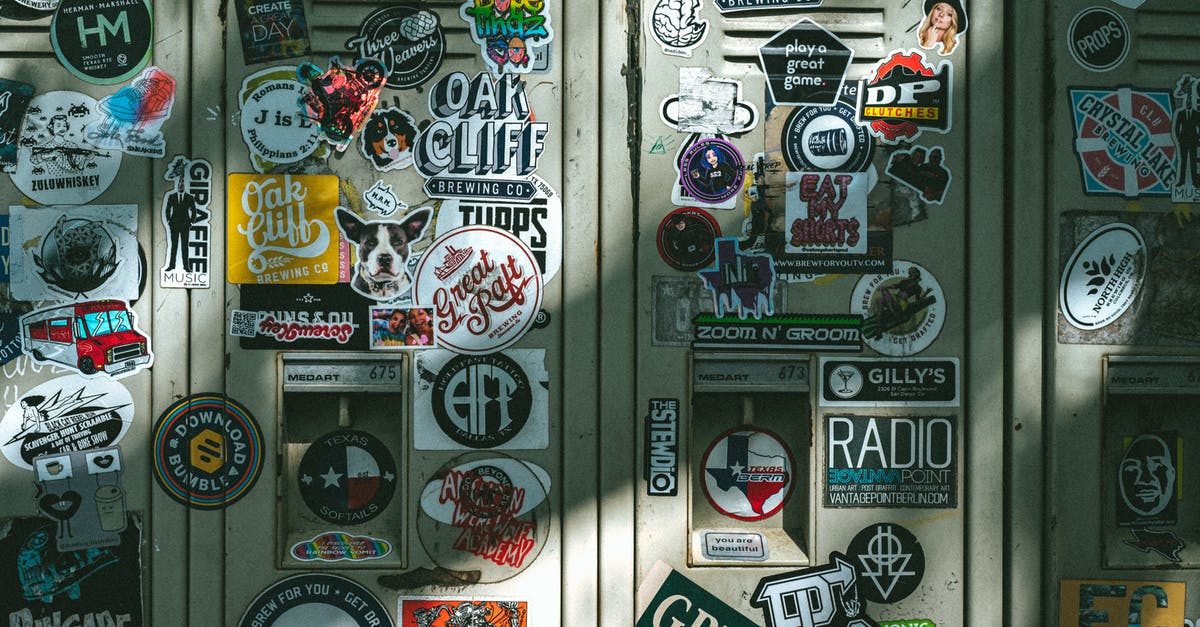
{"x":748,"y":473}
{"x":686,"y":238}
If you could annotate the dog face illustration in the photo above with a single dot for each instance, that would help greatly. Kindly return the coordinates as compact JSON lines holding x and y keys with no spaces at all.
{"x":381,"y":247}
{"x":387,"y":139}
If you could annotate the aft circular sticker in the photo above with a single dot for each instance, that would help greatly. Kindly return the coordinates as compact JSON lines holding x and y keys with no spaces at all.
{"x":482,"y":401}
{"x":207,"y":451}
{"x":687,"y":238}
{"x":826,"y":139}
{"x":1098,"y":38}
{"x":1103,"y":276}
{"x":712,"y":170}
{"x":103,"y":41}
{"x":890,"y":561}
{"x":56,"y":163}
{"x":748,"y":473}
{"x":70,"y":413}
{"x":903,"y":311}
{"x":347,"y":477}
{"x":408,"y":41}
{"x":316,"y":599}
{"x":485,"y":287}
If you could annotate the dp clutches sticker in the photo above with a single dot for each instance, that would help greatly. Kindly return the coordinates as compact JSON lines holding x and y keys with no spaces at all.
{"x":905,"y":95}
{"x":208,"y":451}
{"x":56,"y":163}
{"x":272,"y":30}
{"x":409,"y":42}
{"x":347,"y":477}
{"x":103,"y":41}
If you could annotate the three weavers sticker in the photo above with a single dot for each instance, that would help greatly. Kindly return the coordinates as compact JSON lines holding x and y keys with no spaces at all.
{"x":409,"y":41}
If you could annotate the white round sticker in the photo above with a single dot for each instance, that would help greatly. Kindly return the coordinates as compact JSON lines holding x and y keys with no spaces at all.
{"x":903,"y":311}
{"x":1103,"y":276}
{"x":70,"y":413}
{"x":274,"y":124}
{"x":56,"y":162}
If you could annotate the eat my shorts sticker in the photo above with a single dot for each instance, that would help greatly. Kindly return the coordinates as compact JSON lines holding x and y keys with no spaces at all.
{"x":103,"y":41}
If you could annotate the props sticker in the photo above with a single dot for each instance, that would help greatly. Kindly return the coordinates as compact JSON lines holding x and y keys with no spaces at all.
{"x":496,"y":401}
{"x":14,"y":99}
{"x":484,"y":286}
{"x":706,"y":104}
{"x":134,"y":115}
{"x":731,"y":6}
{"x":408,"y":41}
{"x":944,"y":21}
{"x":891,"y":562}
{"x":510,"y":34}
{"x":905,"y":95}
{"x":382,"y":200}
{"x":1165,"y":544}
{"x":339,"y":546}
{"x":666,"y":595}
{"x":662,"y":449}
{"x":90,"y":337}
{"x":281,"y":229}
{"x":826,"y":139}
{"x":186,"y":216}
{"x":56,"y":163}
{"x":923,"y":174}
{"x":1098,"y":39}
{"x":1185,"y":129}
{"x":272,"y":30}
{"x":62,"y":254}
{"x":381,"y":251}
{"x":82,"y":492}
{"x":395,"y":328}
{"x":748,"y":474}
{"x":316,"y":599}
{"x":485,"y":513}
{"x":301,"y":317}
{"x":439,"y":612}
{"x":712,"y":170}
{"x":826,"y":213}
{"x":388,"y":138}
{"x":340,"y":99}
{"x":67,"y":414}
{"x":1104,"y":276}
{"x":208,"y":451}
{"x":677,"y":26}
{"x":484,"y":129}
{"x":347,"y":477}
{"x":103,"y":41}
{"x":537,"y":222}
{"x":1121,"y":603}
{"x":687,"y":238}
{"x":1147,"y":488}
{"x":805,"y":64}
{"x":274,"y":126}
{"x":739,"y":282}
{"x":43,"y":586}
{"x":1123,"y":139}
{"x":822,"y":596}
{"x":875,"y":461}
{"x":903,"y":311}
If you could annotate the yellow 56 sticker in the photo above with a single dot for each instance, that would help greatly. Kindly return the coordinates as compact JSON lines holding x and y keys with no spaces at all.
{"x":280,"y":229}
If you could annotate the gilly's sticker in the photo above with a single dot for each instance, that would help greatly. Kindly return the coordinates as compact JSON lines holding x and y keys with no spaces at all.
{"x":281,"y":229}
{"x":208,"y":451}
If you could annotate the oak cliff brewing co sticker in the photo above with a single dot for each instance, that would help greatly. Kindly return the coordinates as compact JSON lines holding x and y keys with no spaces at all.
{"x":103,"y":41}
{"x":208,"y":451}
{"x":484,"y":285}
{"x":748,"y":474}
{"x":1123,"y":140}
{"x":887,"y":462}
{"x":14,"y":99}
{"x":284,"y":231}
{"x":70,"y":413}
{"x":822,"y":595}
{"x":805,"y":64}
{"x":903,"y":311}
{"x":409,"y":42}
{"x":905,"y":95}
{"x":274,"y":126}
{"x":347,"y":477}
{"x":186,"y":216}
{"x":56,"y":163}
{"x":1098,"y":39}
{"x":487,"y":513}
{"x":316,"y":599}
{"x":65,"y":254}
{"x":494,"y":401}
{"x":891,"y":562}
{"x":339,"y":546}
{"x":272,"y":30}
{"x":450,"y":612}
{"x":513,"y":37}
{"x":687,"y":238}
{"x":677,"y":26}
{"x":1103,"y":277}
{"x":81,"y":491}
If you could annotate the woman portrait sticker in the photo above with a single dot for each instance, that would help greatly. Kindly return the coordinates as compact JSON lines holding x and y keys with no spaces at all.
{"x":944,"y":22}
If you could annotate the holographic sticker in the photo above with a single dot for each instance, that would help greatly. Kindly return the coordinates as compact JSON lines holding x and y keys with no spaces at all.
{"x":340,"y":99}
{"x":133,"y":117}
{"x":339,"y":546}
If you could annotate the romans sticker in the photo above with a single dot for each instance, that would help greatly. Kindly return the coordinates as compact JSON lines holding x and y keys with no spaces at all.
{"x":399,"y":328}
{"x":272,"y":30}
{"x":388,"y":138}
{"x":88,"y":337}
{"x":56,"y":163}
{"x":510,"y":34}
{"x":274,"y":125}
{"x":666,"y":595}
{"x":14,"y":99}
{"x":820,"y":596}
{"x":208,"y":451}
{"x":341,"y":98}
{"x":748,"y":473}
{"x":1123,"y":140}
{"x":805,"y":64}
{"x":731,"y":6}
{"x":890,"y":560}
{"x":339,"y":546}
{"x":913,"y":382}
{"x":1098,"y":39}
{"x":1148,"y":491}
{"x":905,"y":95}
{"x":281,"y":229}
{"x":103,"y":41}
{"x":712,"y":170}
{"x":661,"y":470}
{"x":826,"y":213}
{"x":740,"y":283}
{"x":944,"y":22}
{"x":347,"y":477}
{"x":186,"y":216}
{"x":826,"y":139}
{"x":63,"y":254}
{"x":316,"y":599}
{"x":1121,"y":603}
{"x":496,"y":401}
{"x":1185,"y":128}
{"x":817,"y":332}
{"x":82,"y":492}
{"x":301,"y":317}
{"x":486,"y":513}
{"x":381,"y":251}
{"x":677,"y":26}
{"x":903,"y":311}
{"x":134,"y":115}
{"x":923,"y":174}
{"x":1103,"y":277}
{"x":444,"y":612}
{"x":66,"y":414}
{"x":484,"y":286}
{"x":408,"y":41}
{"x":885,"y":462}
{"x":687,"y":238}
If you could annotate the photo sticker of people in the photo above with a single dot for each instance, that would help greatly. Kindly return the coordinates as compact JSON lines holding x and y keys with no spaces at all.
{"x":944,"y":22}
{"x":394,"y":328}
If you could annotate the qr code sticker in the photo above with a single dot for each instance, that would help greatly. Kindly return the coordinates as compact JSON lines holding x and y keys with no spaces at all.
{"x":243,"y":323}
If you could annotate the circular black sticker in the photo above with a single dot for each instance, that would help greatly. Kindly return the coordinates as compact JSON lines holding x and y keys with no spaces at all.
{"x":347,"y":477}
{"x":316,"y":599}
{"x":207,"y":451}
{"x":482,"y":401}
{"x":890,"y":562}
{"x":686,"y":238}
{"x":1099,"y":39}
{"x":826,"y":139}
{"x":103,"y":41}
{"x":26,"y":10}
{"x":408,"y":41}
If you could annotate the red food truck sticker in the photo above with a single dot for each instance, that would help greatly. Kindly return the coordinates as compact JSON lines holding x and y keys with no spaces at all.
{"x":56,"y":162}
{"x":70,"y":413}
{"x":95,"y":337}
{"x":281,"y":229}
{"x":64,"y":254}
{"x":455,"y":612}
{"x":1123,"y":139}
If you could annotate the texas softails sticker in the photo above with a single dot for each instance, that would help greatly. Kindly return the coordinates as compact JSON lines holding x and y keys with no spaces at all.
{"x":1123,"y":140}
{"x":347,"y":477}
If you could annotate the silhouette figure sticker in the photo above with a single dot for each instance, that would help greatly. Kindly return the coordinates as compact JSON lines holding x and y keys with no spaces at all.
{"x":186,"y":216}
{"x":922,"y":170}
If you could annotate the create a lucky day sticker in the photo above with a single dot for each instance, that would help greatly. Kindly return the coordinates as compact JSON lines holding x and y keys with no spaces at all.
{"x":103,"y":41}
{"x":748,"y":474}
{"x":272,"y":30}
{"x":281,"y":229}
{"x":208,"y":451}
{"x":70,"y":413}
{"x":484,"y":285}
{"x":56,"y":163}
{"x":903,"y":311}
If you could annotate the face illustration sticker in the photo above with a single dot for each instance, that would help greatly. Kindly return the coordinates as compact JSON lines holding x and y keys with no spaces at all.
{"x":1123,"y":141}
{"x":14,"y":99}
{"x":56,"y":163}
{"x":81,"y":491}
{"x":890,"y":560}
{"x":903,"y":311}
{"x":133,"y":116}
{"x":281,"y":229}
{"x":1147,"y":490}
{"x":409,"y":42}
{"x":66,"y":414}
{"x":273,"y":123}
{"x":316,"y":599}
{"x":186,"y":216}
{"x":905,"y":95}
{"x":347,"y":477}
{"x":921,"y":170}
{"x":103,"y":41}
{"x":381,"y":250}
{"x":63,"y":254}
{"x":748,"y":474}
{"x":513,"y":35}
{"x":387,"y":139}
{"x":677,"y":26}
{"x":208,"y":451}
{"x":712,"y":170}
{"x":687,"y":238}
{"x":944,"y":22}
{"x":272,"y":30}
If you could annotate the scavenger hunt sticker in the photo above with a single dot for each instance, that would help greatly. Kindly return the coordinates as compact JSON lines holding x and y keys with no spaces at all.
{"x":880,"y":461}
{"x":272,"y":30}
{"x":103,"y":41}
{"x":70,"y":413}
{"x":281,"y":229}
{"x":56,"y":163}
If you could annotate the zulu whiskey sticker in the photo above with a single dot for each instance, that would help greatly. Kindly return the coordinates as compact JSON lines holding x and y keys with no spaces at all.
{"x":409,"y":42}
{"x":316,"y":599}
{"x":876,"y":461}
{"x":748,"y":474}
{"x":281,"y":229}
{"x":56,"y":162}
{"x":65,"y":254}
{"x":186,"y":216}
{"x":66,"y":414}
{"x":301,"y":317}
{"x":272,"y":30}
{"x":103,"y":41}
{"x":274,"y":125}
{"x":208,"y":451}
{"x":1123,"y":140}
{"x":347,"y":477}
{"x":14,"y":99}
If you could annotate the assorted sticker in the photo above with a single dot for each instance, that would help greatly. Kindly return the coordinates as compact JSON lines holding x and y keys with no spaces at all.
{"x":274,"y":125}
{"x":399,"y":328}
{"x":1103,"y":277}
{"x":339,"y":546}
{"x":208,"y":451}
{"x":187,"y":218}
{"x":340,"y":98}
{"x":885,"y":462}
{"x":316,"y":599}
{"x":913,"y":382}
{"x":281,"y":229}
{"x":1165,"y":544}
{"x":56,"y":162}
{"x":920,"y":169}
{"x":94,"y":337}
{"x":272,"y":30}
{"x":712,"y":170}
{"x":301,"y":317}
{"x":1121,"y":603}
{"x":891,"y":562}
{"x":381,"y":252}
{"x":388,"y":138}
{"x":66,"y":414}
{"x":903,"y":312}
{"x":451,"y":612}
{"x":665,"y":594}
{"x":62,"y":254}
{"x":1123,"y":141}
{"x":81,"y":492}
{"x":687,"y":238}
{"x":347,"y":477}
{"x":821,"y":595}
{"x":677,"y":27}
{"x":661,"y":469}
{"x":408,"y":41}
{"x":134,"y":115}
{"x":748,"y":474}
{"x":944,"y":22}
{"x":905,"y":95}
{"x":103,"y":41}
{"x":1099,"y":39}
{"x":740,"y":283}
{"x":14,"y":100}
{"x":513,"y":37}
{"x":805,"y":64}
{"x":1148,"y":491}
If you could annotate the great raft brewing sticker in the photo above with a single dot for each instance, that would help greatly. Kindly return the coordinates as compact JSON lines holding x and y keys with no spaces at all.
{"x":274,"y":125}
{"x":316,"y":599}
{"x":70,"y":413}
{"x":208,"y":451}
{"x":281,"y":229}
{"x":748,"y":474}
{"x":903,"y":311}
{"x":66,"y":254}
{"x":56,"y":163}
{"x":103,"y":41}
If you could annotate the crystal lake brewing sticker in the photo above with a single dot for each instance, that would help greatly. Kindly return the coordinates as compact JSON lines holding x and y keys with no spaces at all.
{"x":14,"y":99}
{"x":904,"y":95}
{"x":409,"y":42}
{"x":903,"y":311}
{"x":81,"y":491}
{"x":281,"y":229}
{"x":347,"y":477}
{"x":513,"y":35}
{"x":748,"y":474}
{"x":677,"y":26}
{"x":274,"y":125}
{"x":70,"y":413}
{"x":316,"y":599}
{"x":382,"y":251}
{"x":496,"y":401}
{"x":65,"y":254}
{"x":56,"y":163}
{"x":890,"y":560}
{"x":388,"y":138}
{"x":272,"y":30}
{"x":1103,"y":277}
{"x":103,"y":41}
{"x":452,"y":612}
{"x":1123,"y":140}
{"x":133,"y":116}
{"x":884,"y":462}
{"x":944,"y":22}
{"x":484,"y":285}
{"x":208,"y":451}
{"x":186,"y":216}
{"x":485,"y":512}
{"x":94,"y":337}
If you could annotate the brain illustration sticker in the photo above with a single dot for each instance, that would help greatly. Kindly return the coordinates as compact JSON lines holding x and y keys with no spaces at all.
{"x":748,"y":474}
{"x":347,"y":477}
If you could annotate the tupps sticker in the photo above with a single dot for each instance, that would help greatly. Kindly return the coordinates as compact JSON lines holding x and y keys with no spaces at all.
{"x":103,"y":41}
{"x":1123,"y":140}
{"x":274,"y":125}
{"x":281,"y":229}
{"x":185,"y":214}
{"x":56,"y":163}
{"x":272,"y":30}
{"x":66,"y":414}
{"x":63,"y":254}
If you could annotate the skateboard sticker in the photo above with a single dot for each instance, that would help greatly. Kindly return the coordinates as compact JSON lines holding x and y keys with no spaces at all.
{"x":272,"y":30}
{"x":65,"y":254}
{"x":81,"y":491}
{"x":56,"y":163}
{"x":347,"y":477}
{"x":408,"y":41}
{"x":208,"y":451}
{"x":70,"y":413}
{"x":903,"y":311}
{"x":103,"y":41}
{"x":748,"y":474}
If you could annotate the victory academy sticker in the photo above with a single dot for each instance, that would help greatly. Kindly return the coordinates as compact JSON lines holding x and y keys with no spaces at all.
{"x":347,"y":477}
{"x":207,"y":451}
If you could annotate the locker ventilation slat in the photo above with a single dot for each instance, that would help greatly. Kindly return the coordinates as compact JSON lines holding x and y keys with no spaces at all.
{"x":24,"y":41}
{"x":1165,"y":39}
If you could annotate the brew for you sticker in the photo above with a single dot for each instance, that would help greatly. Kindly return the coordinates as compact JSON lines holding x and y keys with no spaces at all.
{"x":903,"y":311}
{"x":1103,"y":277}
{"x":103,"y":41}
{"x":14,"y":99}
{"x":409,"y":41}
{"x":316,"y":599}
{"x":56,"y":162}
{"x":280,"y":229}
{"x":70,"y":413}
{"x":274,"y":125}
{"x":65,"y":254}
{"x":272,"y":30}
{"x":513,"y":36}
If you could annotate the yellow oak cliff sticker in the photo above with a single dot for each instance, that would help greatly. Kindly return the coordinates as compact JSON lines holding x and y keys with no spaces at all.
{"x":1122,"y":603}
{"x":280,"y":229}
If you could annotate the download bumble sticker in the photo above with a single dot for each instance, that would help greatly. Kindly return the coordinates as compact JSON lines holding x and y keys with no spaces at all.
{"x":208,"y":451}
{"x":56,"y":162}
{"x":281,"y":229}
{"x":273,"y":122}
{"x":64,"y":254}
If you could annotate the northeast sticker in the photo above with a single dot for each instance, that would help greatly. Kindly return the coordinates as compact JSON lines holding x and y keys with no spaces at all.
{"x":1123,"y":140}
{"x":347,"y":477}
{"x":748,"y":474}
{"x":208,"y":451}
{"x":903,"y":311}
